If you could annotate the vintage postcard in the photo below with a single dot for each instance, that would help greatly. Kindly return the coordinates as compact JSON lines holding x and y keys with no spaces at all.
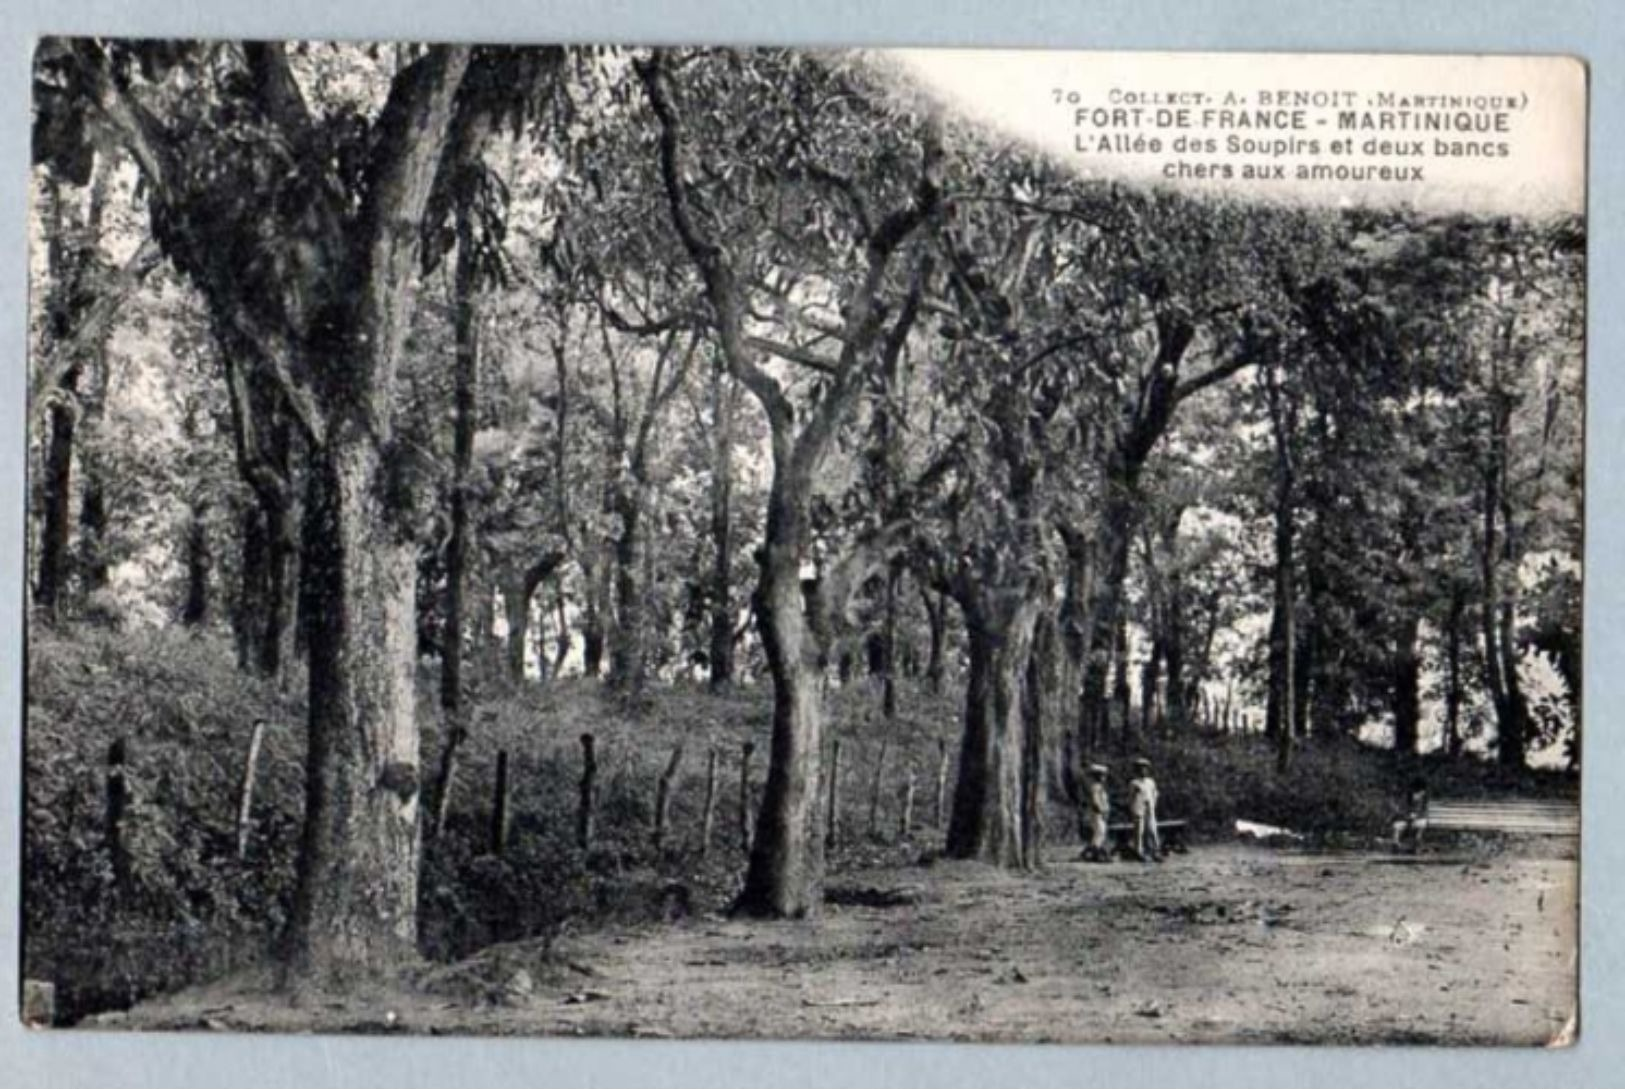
{"x":721,"y":542}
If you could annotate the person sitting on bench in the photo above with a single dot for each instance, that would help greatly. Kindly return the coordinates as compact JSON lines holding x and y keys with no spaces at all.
{"x":1096,"y":808}
{"x":1409,"y":828}
{"x":1142,"y":804}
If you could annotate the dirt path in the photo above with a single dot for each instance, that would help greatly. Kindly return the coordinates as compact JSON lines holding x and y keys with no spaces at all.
{"x":1226,"y":944}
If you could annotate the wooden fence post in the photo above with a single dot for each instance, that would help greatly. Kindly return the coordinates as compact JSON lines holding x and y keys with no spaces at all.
{"x":745,"y":830}
{"x":118,"y":799}
{"x":589,"y":787}
{"x":663,"y":796}
{"x":832,"y":819}
{"x":500,"y":806}
{"x":710,"y":802}
{"x":874,"y":791}
{"x":245,"y":792}
{"x":905,"y":823}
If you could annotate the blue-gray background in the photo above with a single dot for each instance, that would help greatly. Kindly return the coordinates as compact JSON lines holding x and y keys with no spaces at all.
{"x":1593,"y":30}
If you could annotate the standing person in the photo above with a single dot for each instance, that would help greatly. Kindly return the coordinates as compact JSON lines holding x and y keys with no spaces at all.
{"x":1096,"y":806}
{"x":1142,"y":804}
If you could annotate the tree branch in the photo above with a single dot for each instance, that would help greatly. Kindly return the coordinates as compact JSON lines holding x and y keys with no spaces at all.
{"x":271,"y":486}
{"x":409,"y":141}
{"x":275,"y":88}
{"x":131,"y":125}
{"x":793,"y":354}
{"x":1214,"y":375}
{"x":93,"y":326}
{"x":279,"y":359}
{"x":707,"y":256}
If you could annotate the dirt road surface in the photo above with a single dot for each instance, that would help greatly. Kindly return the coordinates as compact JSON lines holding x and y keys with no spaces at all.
{"x":1227,"y":944}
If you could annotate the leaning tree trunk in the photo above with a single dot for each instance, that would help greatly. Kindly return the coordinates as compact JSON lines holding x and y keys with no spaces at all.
{"x":355,"y":906}
{"x":988,"y":820}
{"x":786,"y":873}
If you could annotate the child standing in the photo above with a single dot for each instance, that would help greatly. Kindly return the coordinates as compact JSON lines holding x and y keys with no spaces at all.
{"x":1142,"y":804}
{"x":1097,"y":804}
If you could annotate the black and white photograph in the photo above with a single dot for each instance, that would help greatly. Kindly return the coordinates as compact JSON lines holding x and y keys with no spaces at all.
{"x":784,"y":543}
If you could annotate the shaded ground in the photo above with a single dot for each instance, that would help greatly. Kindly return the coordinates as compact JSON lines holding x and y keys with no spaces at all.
{"x":1225,"y":944}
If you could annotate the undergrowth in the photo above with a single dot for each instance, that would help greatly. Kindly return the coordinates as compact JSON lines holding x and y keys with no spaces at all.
{"x":185,"y":908}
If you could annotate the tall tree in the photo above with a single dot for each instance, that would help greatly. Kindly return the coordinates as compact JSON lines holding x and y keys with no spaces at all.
{"x":786,"y":867}
{"x":314,"y":268}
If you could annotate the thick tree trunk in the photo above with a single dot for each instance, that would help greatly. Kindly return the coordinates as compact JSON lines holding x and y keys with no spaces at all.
{"x":1076,"y":626}
{"x":1407,"y":687}
{"x":1104,"y":606}
{"x":327,"y":314}
{"x":786,"y":873}
{"x":355,"y":906}
{"x":196,"y":553}
{"x":1044,"y":671}
{"x":720,"y":656}
{"x":988,"y":821}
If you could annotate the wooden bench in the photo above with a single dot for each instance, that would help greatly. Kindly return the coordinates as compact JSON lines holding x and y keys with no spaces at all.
{"x":1507,"y":817}
{"x":1171,"y":832}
